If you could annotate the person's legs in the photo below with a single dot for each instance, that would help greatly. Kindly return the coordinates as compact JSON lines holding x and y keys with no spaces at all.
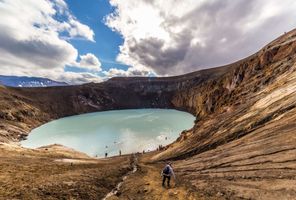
{"x":163,"y":180}
{"x":169,"y":179}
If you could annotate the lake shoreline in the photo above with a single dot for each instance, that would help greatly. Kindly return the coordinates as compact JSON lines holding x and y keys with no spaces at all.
{"x":110,"y":133}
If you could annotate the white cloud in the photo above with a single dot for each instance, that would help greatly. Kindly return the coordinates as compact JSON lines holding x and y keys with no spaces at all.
{"x":132,"y":71}
{"x":80,"y":30}
{"x":90,"y":62}
{"x":173,"y":37}
{"x":78,"y":78}
{"x":32,"y":40}
{"x":71,"y":25}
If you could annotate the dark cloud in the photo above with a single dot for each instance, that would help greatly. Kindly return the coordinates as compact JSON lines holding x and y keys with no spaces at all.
{"x":38,"y":52}
{"x":199,"y":34}
{"x":151,"y":52}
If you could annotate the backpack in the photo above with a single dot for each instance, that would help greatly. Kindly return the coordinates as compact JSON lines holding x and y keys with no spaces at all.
{"x":166,"y":170}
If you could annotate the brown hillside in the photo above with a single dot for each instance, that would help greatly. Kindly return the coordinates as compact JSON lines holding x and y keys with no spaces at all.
{"x":243,"y":142}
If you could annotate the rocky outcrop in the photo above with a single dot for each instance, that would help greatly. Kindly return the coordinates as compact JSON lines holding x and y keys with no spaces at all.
{"x":243,"y":141}
{"x":244,"y":133}
{"x":204,"y":93}
{"x":235,"y":93}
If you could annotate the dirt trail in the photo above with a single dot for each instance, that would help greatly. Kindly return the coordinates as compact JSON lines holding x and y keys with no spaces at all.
{"x":134,"y":165}
{"x":146,"y":184}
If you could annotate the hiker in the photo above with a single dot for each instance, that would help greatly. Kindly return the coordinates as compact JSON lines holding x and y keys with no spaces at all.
{"x":166,"y":173}
{"x":160,"y":147}
{"x":106,"y":155}
{"x":119,"y":152}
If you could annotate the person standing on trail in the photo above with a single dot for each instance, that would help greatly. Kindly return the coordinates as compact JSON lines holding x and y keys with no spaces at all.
{"x":166,"y":174}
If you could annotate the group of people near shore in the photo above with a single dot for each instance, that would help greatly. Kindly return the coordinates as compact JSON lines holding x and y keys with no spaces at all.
{"x":159,"y":148}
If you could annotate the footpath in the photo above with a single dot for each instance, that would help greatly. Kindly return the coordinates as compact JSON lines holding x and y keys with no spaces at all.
{"x":146,"y":184}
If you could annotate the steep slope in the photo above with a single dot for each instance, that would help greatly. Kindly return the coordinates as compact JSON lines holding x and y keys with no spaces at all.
{"x":243,"y":140}
{"x":203,"y":93}
{"x":249,"y":96}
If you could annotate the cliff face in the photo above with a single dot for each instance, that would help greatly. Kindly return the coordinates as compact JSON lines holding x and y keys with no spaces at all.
{"x":253,"y":93}
{"x":205,"y":93}
{"x":243,"y":142}
{"x":244,"y":134}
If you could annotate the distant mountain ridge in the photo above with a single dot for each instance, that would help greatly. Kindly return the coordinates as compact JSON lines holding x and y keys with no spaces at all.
{"x":25,"y":81}
{"x":242,"y":144}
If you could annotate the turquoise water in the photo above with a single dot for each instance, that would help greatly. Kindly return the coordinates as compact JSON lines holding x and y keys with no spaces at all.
{"x":108,"y":132}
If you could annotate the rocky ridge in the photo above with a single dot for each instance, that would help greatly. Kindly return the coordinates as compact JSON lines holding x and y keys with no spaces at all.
{"x":243,"y":139}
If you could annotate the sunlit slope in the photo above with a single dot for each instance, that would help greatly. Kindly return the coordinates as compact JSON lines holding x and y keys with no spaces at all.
{"x":246,"y":144}
{"x":261,"y":91}
{"x":244,"y":137}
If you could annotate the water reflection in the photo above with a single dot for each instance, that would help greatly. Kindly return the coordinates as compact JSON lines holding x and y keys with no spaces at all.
{"x":110,"y":132}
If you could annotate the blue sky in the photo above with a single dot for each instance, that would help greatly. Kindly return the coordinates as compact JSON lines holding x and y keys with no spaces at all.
{"x":177,"y":52}
{"x":106,"y":45}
